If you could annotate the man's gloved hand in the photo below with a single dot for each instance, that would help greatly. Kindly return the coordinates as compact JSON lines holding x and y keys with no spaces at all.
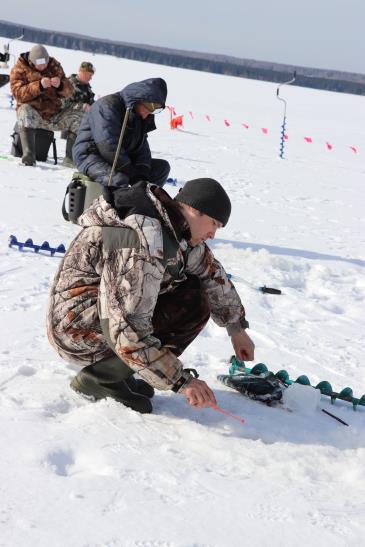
{"x":128,"y":170}
{"x":108,"y":194}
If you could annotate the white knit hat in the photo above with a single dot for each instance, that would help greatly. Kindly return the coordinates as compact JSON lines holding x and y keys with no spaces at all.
{"x":38,"y":55}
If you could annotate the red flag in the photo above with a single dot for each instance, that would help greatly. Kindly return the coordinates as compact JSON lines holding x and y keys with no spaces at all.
{"x":176,"y":122}
{"x":208,"y":117}
{"x":191,"y":114}
{"x":264,"y":130}
{"x":354,"y":149}
{"x":286,"y":137}
{"x":245,"y":125}
{"x":308,"y":139}
{"x":226,"y":123}
{"x":329,"y":146}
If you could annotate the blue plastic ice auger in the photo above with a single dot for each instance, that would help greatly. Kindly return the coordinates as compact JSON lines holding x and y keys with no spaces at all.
{"x":282,"y":138}
{"x":28,"y":244}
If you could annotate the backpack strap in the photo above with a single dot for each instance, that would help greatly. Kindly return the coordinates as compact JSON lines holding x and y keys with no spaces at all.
{"x":115,"y":238}
{"x":170,"y":247}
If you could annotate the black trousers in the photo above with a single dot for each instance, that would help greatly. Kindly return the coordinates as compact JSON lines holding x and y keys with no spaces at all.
{"x":178,"y":318}
{"x":160,"y":170}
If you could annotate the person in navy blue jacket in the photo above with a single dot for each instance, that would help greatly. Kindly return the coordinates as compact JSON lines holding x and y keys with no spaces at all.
{"x":97,"y":138}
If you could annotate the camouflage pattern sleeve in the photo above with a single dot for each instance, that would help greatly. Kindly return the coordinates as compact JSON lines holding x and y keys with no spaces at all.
{"x":82,"y":94}
{"x":226,"y":306}
{"x":129,"y":289}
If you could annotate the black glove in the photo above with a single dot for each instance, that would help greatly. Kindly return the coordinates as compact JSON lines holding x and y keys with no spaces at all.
{"x":108,"y":194}
{"x":136,"y":172}
{"x":128,"y":170}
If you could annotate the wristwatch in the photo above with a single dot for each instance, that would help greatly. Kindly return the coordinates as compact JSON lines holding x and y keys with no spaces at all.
{"x":187,"y":375}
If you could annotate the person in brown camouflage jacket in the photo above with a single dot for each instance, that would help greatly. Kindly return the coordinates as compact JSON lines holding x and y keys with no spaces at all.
{"x":39,"y":84}
{"x":135,"y":288}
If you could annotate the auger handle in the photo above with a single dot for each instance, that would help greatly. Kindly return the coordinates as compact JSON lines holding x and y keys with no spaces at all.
{"x":270,"y":290}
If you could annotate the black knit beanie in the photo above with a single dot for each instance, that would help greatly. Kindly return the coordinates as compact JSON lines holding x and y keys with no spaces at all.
{"x":208,"y":197}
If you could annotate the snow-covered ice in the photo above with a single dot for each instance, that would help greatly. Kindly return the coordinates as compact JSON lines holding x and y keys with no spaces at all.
{"x":76,"y":473}
{"x":302,"y":399}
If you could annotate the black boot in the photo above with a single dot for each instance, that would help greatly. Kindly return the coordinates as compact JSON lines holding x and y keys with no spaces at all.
{"x":140,"y":386}
{"x":27,"y":138}
{"x":68,"y":161}
{"x":104,"y":379}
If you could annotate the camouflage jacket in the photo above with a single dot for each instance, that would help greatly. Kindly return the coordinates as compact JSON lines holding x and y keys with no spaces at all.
{"x":95,"y":284}
{"x":82,"y":94}
{"x":25,"y":83}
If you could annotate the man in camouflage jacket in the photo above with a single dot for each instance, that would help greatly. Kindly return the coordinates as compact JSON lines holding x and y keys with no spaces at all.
{"x":81,"y":100}
{"x":136,"y":287}
{"x":83,"y":96}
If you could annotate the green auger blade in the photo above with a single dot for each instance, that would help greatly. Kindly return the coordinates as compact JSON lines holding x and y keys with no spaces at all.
{"x":346,"y":394}
{"x":258,"y":369}
{"x":324,"y":387}
{"x":360,"y":401}
{"x":237,"y":366}
{"x":283,"y":377}
{"x":303,"y":380}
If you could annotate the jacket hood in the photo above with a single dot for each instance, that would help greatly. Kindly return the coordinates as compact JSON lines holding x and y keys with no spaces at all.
{"x":100,"y":213}
{"x":24,"y":57}
{"x":153,"y":90}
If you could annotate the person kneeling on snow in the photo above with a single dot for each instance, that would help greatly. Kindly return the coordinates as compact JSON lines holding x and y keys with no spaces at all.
{"x":39,"y":84}
{"x":98,"y":137}
{"x":136,"y":287}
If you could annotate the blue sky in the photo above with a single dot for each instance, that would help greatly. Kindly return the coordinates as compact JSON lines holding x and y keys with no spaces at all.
{"x":316,"y":33}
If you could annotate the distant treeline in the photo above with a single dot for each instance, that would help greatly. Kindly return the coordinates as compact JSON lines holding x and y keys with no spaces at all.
{"x":331,"y":80}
